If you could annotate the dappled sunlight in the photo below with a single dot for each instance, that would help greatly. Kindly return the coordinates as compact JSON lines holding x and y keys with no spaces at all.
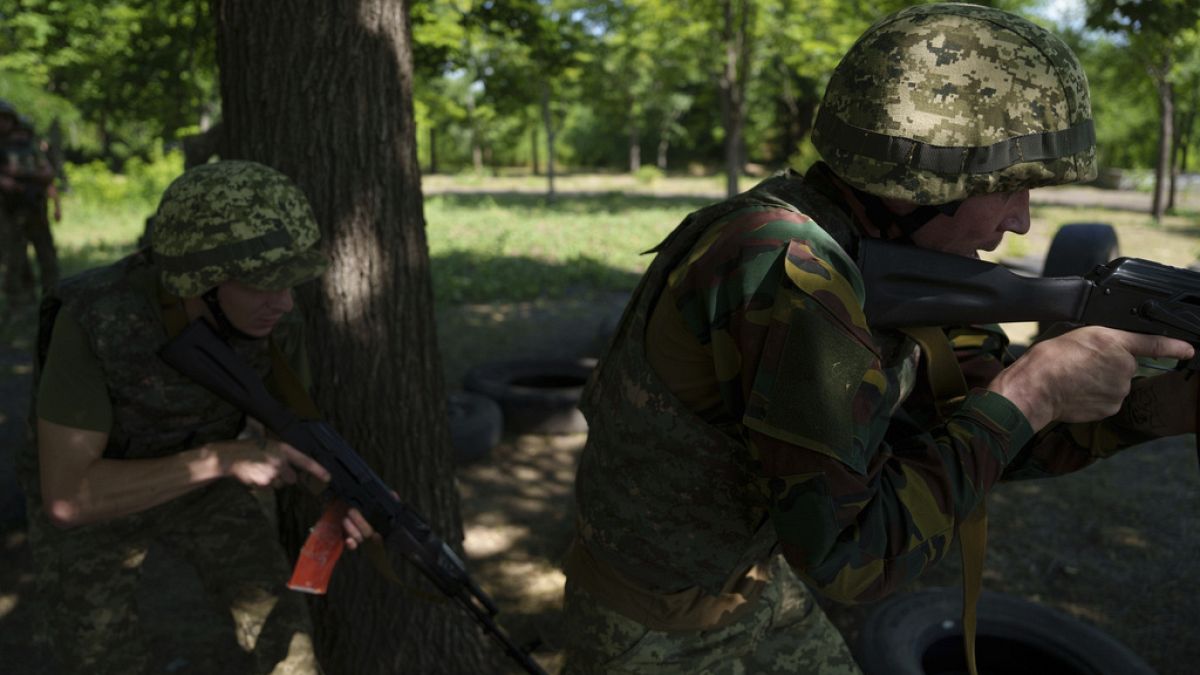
{"x":1088,"y":613}
{"x":1125,"y":536}
{"x":356,"y":272}
{"x":481,"y":541}
{"x":538,"y":584}
{"x":518,"y":517}
{"x":8,"y":603}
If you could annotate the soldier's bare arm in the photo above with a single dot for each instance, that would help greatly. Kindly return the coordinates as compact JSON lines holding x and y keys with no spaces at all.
{"x":80,"y":486}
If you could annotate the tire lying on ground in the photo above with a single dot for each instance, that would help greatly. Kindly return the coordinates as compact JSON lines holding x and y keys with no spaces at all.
{"x":1076,"y":250}
{"x":920,"y":633}
{"x":475,"y":425}
{"x":1079,"y":247}
{"x":536,"y":396}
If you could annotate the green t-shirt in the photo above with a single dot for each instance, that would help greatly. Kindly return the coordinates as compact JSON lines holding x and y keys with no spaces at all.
{"x":72,"y":391}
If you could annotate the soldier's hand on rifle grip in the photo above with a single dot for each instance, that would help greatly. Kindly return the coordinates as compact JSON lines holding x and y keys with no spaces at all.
{"x":1163,"y":405}
{"x":267,"y":462}
{"x":1081,"y":376}
{"x":357,"y":528}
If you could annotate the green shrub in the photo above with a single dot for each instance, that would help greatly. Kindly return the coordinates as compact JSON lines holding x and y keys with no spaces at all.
{"x":142,"y":183}
{"x":648,"y":174}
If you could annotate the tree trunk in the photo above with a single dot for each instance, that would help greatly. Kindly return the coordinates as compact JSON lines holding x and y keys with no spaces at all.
{"x":548,"y":122}
{"x":733,"y":86}
{"x":1166,"y":116}
{"x":533,"y":148}
{"x":664,"y":134}
{"x":476,"y":148}
{"x":1175,"y":152}
{"x":432,"y":148}
{"x":370,"y":317}
{"x":635,"y":142}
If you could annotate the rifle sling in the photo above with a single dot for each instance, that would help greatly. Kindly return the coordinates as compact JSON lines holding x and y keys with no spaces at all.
{"x":295,"y":396}
{"x":949,"y":386}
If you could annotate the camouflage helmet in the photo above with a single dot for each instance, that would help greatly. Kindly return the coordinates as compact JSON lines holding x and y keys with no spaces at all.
{"x":939,"y":102}
{"x":234,"y":220}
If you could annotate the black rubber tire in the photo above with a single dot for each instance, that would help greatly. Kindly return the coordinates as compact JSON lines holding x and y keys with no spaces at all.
{"x":476,"y":423}
{"x":1079,"y":247}
{"x":1076,"y":250}
{"x":920,"y":633}
{"x":537,"y":396}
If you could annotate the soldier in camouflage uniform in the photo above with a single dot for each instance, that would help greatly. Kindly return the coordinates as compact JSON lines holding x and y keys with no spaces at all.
{"x":751,"y":437}
{"x":132,"y":455}
{"x":10,"y":198}
{"x":23,"y":161}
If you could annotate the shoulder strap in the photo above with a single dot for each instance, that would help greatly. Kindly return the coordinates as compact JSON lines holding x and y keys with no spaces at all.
{"x":949,"y":386}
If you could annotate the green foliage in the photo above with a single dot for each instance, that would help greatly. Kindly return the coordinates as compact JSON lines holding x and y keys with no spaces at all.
{"x":137,"y":71}
{"x":43,"y":107}
{"x":141,"y":184}
{"x":647,"y":174}
{"x":122,"y":75}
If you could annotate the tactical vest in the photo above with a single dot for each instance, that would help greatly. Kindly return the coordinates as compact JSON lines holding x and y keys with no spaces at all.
{"x":156,"y":410}
{"x":667,"y":500}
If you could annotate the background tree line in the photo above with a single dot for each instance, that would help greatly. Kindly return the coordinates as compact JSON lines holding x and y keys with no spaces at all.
{"x":616,"y":85}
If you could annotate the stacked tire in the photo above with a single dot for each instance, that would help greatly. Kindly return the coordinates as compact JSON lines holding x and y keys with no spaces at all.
{"x":525,"y":396}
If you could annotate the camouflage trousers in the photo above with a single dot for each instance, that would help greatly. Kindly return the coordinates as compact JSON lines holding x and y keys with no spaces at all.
{"x":89,"y":579}
{"x":786,"y":632}
{"x":19,"y":227}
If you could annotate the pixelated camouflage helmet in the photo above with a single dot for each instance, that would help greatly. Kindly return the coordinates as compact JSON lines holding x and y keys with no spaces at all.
{"x":939,"y":102}
{"x":234,"y":220}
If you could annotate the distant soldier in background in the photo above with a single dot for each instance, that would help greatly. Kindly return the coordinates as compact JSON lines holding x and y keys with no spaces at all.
{"x":8,"y":122}
{"x":27,"y":181}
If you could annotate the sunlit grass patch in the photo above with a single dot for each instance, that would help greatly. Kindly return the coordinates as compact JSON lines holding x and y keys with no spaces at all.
{"x":520,"y":247}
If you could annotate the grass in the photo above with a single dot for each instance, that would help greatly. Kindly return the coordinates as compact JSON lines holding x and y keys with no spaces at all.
{"x":483,"y":247}
{"x":518,"y":247}
{"x":513,"y":244}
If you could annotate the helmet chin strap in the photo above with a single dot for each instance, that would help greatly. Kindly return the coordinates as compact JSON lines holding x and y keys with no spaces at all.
{"x":224,"y":326}
{"x":908,"y":224}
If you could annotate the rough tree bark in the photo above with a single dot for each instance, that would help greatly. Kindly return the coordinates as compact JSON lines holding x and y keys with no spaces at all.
{"x":548,"y":123}
{"x":322,"y":92}
{"x":1166,"y":111}
{"x":533,"y":148}
{"x":433,"y":167}
{"x":735,"y":39}
{"x":635,"y":141}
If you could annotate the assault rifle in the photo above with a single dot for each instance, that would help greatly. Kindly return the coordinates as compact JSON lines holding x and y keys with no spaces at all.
{"x":204,"y":357}
{"x":911,"y":286}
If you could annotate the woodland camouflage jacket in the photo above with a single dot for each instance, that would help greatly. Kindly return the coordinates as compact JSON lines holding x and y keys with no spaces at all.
{"x":825,"y":446}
